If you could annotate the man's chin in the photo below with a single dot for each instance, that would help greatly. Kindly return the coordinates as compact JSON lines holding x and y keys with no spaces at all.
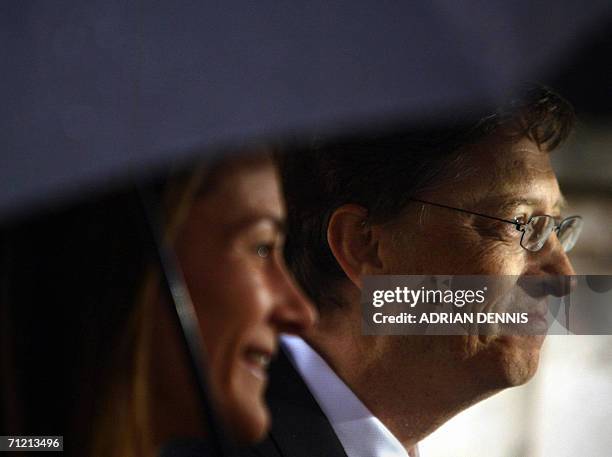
{"x":515,"y":358}
{"x":505,"y":361}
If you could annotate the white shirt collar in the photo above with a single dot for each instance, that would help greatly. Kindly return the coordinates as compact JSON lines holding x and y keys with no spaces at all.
{"x":359,"y":431}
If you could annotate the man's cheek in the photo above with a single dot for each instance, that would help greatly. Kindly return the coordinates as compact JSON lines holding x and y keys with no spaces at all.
{"x":495,"y":258}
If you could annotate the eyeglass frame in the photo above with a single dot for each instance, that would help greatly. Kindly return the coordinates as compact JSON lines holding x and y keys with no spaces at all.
{"x":519,"y":226}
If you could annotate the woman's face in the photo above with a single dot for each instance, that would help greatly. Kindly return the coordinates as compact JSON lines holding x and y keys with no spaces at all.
{"x":230,"y":250}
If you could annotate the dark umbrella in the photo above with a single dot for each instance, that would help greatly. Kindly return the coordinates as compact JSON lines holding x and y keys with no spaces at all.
{"x":97,"y":92}
{"x":93,"y":89}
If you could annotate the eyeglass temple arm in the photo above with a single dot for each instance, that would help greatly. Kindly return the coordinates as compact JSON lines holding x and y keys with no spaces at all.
{"x":518,"y":225}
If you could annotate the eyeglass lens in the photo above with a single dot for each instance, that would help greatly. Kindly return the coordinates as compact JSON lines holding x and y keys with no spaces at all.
{"x":539,"y":229}
{"x":569,"y":232}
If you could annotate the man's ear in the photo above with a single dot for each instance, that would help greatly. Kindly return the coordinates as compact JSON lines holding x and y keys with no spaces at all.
{"x":353,"y":242}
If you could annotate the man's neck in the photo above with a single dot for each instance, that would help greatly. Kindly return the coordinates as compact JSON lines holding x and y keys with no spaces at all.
{"x":411,"y":394}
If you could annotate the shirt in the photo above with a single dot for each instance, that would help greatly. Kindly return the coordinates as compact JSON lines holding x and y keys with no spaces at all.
{"x":359,"y":431}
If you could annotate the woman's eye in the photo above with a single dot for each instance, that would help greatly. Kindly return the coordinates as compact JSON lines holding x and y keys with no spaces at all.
{"x":264,"y":250}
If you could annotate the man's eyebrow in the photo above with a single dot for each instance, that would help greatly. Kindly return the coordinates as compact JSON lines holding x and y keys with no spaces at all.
{"x":506,"y":202}
{"x":561,"y":203}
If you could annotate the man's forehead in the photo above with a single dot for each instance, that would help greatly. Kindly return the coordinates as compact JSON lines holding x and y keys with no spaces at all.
{"x":511,"y":174}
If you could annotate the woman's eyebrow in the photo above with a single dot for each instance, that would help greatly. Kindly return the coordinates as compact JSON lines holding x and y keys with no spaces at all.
{"x":250,"y":221}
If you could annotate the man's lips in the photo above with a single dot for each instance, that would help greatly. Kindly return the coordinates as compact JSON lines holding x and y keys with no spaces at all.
{"x":537,"y":323}
{"x":538,"y":317}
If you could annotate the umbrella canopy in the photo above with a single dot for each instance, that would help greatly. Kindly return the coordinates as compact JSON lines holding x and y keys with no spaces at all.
{"x":100,"y":90}
{"x":95,"y":90}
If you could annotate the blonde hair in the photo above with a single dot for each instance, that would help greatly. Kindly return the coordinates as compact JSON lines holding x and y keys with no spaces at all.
{"x":122,"y":424}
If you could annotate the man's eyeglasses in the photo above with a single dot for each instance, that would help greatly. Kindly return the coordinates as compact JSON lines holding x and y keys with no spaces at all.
{"x":537,"y":230}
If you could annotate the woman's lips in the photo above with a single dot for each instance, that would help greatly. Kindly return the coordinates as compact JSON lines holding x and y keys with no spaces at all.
{"x":257,"y":360}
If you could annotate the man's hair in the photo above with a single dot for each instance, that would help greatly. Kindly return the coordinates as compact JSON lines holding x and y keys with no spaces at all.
{"x":383,"y":171}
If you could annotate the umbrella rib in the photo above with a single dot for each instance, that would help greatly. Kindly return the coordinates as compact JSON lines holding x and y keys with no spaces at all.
{"x":184,"y":310}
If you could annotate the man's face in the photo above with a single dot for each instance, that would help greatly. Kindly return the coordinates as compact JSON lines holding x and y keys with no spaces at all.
{"x":499,"y":178}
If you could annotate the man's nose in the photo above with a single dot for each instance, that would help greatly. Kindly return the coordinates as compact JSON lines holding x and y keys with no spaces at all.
{"x":293,"y":312}
{"x":558,"y":270}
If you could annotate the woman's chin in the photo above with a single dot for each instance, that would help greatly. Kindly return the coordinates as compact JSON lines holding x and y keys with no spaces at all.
{"x":249,"y":421}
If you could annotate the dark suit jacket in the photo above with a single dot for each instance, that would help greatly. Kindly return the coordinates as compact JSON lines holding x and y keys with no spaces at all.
{"x":299,"y":427}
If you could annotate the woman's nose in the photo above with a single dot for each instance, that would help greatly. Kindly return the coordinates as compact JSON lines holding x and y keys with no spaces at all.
{"x":294,"y":312}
